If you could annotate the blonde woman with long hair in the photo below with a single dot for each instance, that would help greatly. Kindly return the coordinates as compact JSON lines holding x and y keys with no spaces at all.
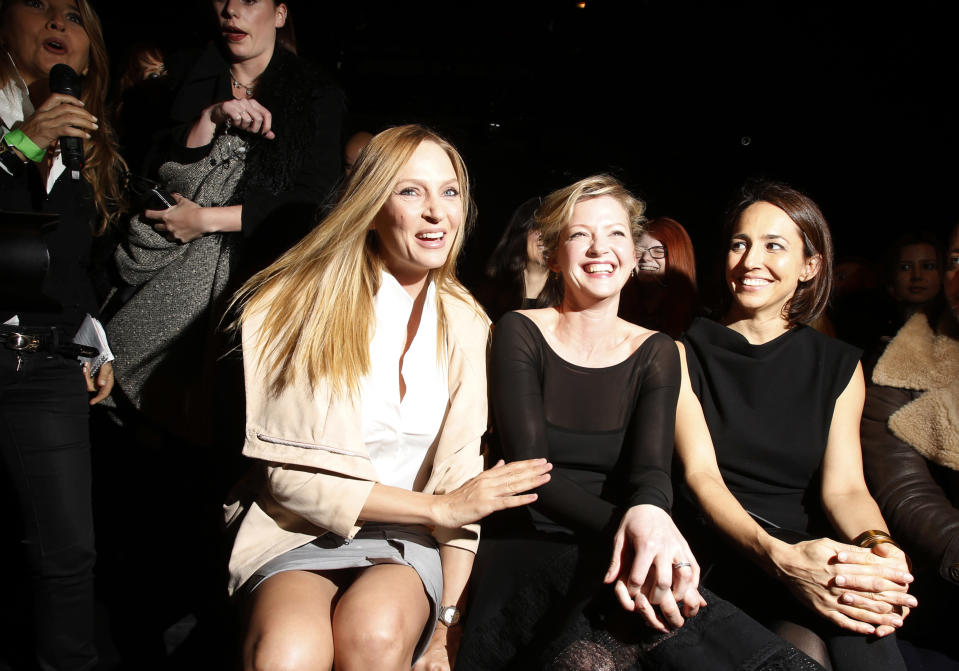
{"x":365,"y":364}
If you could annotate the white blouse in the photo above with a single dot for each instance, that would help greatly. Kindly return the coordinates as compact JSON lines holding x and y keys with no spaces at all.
{"x":15,"y":106}
{"x":399,"y":433}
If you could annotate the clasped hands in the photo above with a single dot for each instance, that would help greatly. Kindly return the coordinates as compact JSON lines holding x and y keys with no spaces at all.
{"x":859,"y":589}
{"x":653,"y":571}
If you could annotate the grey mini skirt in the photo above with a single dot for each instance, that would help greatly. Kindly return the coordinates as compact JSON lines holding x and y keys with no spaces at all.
{"x":374,"y":543}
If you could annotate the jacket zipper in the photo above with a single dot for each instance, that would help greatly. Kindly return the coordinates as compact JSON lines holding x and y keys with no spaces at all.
{"x":308,"y":446}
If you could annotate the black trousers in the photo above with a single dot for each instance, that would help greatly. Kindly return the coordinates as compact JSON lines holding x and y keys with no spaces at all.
{"x":45,"y":465}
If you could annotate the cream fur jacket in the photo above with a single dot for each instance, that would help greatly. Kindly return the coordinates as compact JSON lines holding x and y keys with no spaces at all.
{"x":316,"y":473}
{"x":910,"y":440}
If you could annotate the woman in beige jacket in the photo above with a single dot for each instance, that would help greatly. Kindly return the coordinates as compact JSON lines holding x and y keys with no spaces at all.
{"x":365,"y":364}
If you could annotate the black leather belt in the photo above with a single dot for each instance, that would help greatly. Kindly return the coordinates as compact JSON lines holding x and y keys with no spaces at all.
{"x":26,"y":339}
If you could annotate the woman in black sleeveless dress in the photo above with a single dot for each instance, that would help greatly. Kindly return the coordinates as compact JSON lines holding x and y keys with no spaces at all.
{"x":782,"y":474}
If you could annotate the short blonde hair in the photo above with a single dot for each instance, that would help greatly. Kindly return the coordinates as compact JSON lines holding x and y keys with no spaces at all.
{"x":554,"y":215}
{"x":317,"y":299}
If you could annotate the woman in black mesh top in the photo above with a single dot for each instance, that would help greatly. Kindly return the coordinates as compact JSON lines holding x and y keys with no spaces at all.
{"x":597,"y":396}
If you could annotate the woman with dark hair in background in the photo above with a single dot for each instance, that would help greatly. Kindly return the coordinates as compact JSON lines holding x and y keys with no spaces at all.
{"x":663,"y":295}
{"x":767,"y":429}
{"x":259,"y":150}
{"x":255,"y":152}
{"x":910,"y":441}
{"x":516,"y":273}
{"x":912,"y":275}
{"x":141,"y":102}
{"x":913,"y":271}
{"x":44,"y":405}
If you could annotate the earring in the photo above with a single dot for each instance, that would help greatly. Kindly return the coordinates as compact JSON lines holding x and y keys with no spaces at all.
{"x":633,"y":272}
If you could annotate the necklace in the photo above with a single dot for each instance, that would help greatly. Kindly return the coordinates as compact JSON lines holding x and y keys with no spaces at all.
{"x":237,"y":84}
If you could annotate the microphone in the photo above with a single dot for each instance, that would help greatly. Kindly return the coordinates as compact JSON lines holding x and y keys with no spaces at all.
{"x":63,"y":79}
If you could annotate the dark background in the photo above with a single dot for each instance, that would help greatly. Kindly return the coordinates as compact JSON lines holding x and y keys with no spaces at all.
{"x":683,"y":101}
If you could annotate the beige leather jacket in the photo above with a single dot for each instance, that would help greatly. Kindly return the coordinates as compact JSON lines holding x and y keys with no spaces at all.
{"x":317,"y":473}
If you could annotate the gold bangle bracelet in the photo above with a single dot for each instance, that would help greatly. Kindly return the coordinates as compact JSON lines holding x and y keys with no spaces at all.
{"x":873,"y":537}
{"x":869,"y":535}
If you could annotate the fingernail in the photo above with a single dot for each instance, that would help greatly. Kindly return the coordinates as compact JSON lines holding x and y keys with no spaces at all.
{"x":897,"y":622}
{"x":907,"y":576}
{"x":87,"y":135}
{"x":95,"y":119}
{"x":912,"y":602}
{"x":841,"y":556}
{"x":840,"y":580}
{"x":847,"y":598}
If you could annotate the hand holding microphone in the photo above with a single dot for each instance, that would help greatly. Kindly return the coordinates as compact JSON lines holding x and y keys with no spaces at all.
{"x":64,"y":79}
{"x":61,"y":117}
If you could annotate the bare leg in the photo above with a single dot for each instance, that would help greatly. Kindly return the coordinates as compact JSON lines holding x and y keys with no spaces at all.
{"x":290,"y":623}
{"x":379,"y":619}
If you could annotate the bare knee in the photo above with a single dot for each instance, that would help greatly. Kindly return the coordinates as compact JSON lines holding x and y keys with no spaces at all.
{"x":379,"y":642}
{"x":278,"y":651}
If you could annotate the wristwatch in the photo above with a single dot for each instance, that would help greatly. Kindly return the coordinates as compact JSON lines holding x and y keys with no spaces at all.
{"x":10,"y":160}
{"x":449,"y":615}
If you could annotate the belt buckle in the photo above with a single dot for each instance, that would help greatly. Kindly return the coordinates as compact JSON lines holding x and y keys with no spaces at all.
{"x":22,"y":343}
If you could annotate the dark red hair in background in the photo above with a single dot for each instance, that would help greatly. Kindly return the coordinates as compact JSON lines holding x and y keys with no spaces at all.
{"x":679,"y":247}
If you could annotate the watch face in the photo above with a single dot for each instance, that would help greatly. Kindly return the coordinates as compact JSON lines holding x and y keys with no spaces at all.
{"x":449,"y":615}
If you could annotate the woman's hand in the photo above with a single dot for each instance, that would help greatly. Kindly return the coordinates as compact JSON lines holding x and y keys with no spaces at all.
{"x":495,"y":489}
{"x":437,"y":655}
{"x":850,"y":586}
{"x":652,"y":565}
{"x":246,"y":114}
{"x":59,"y":115}
{"x":873,"y":588}
{"x":181,"y":223}
{"x":103,"y":384}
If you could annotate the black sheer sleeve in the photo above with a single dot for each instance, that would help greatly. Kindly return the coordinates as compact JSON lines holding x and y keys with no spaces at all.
{"x":528,"y":408}
{"x":650,"y":437}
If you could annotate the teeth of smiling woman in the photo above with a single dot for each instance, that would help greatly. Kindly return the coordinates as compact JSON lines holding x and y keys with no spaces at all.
{"x":436,"y":235}
{"x":599,"y":268}
{"x":751,"y":282}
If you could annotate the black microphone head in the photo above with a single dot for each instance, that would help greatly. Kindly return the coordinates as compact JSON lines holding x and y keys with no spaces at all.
{"x":63,"y":79}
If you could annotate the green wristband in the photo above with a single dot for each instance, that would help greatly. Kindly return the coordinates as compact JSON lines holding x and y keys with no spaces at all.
{"x":27,"y":147}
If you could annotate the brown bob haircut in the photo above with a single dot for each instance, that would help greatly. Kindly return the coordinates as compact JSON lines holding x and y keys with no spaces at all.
{"x":811,"y":297}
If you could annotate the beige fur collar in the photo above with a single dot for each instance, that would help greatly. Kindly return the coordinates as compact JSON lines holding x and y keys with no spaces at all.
{"x":920,"y":360}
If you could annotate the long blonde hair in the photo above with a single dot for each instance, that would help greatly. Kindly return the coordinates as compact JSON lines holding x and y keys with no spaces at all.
{"x":103,"y":166}
{"x":316,"y":301}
